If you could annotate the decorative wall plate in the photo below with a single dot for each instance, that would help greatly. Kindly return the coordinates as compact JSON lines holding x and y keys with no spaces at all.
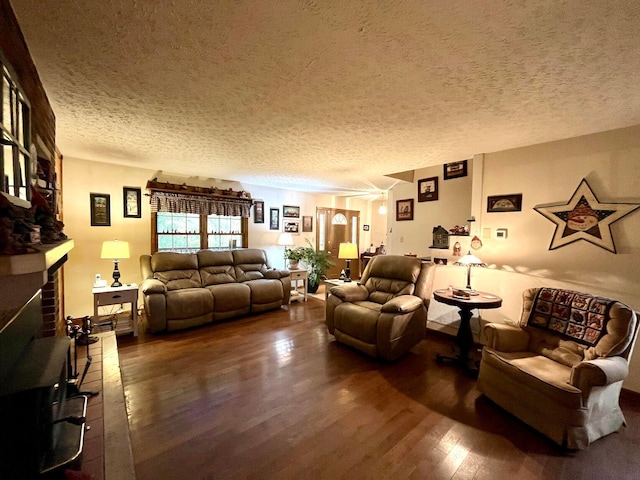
{"x":584,"y":217}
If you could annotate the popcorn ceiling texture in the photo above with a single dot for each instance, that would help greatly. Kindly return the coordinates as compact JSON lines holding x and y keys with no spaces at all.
{"x":328,"y":95}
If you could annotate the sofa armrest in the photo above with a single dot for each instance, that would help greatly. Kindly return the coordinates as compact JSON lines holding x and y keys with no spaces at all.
{"x":599,"y":372}
{"x":152,"y":285}
{"x":350,"y":292}
{"x":506,"y":338}
{"x":277,"y":274}
{"x":402,"y":304}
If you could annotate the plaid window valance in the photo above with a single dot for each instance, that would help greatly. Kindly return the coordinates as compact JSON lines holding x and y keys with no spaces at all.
{"x":198,"y":204}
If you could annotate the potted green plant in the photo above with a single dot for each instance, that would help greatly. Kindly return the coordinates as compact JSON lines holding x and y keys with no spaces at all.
{"x":294,"y":255}
{"x":317,"y":264}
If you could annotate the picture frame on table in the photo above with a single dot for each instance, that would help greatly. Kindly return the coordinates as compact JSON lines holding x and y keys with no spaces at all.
{"x":258,"y":212}
{"x":504,"y":203}
{"x":132,"y":202}
{"x":428,"y":189}
{"x":455,"y":170}
{"x":274,"y":219}
{"x":289,"y":211}
{"x":307,"y":224}
{"x":100,"y":209}
{"x":404,"y":209}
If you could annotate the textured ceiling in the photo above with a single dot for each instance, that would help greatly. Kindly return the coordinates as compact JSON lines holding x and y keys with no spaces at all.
{"x":328,"y":95}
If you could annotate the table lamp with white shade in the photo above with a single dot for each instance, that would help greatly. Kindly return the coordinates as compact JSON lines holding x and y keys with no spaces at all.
{"x":348,"y":251}
{"x":469,"y":261}
{"x":115,"y":250}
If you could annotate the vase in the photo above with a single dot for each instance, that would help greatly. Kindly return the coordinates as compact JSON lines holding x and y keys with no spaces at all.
{"x":293,"y":264}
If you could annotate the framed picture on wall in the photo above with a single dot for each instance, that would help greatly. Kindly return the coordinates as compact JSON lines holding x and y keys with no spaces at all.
{"x":132,"y":202}
{"x":455,"y":170}
{"x":504,"y":203}
{"x":291,"y":226}
{"x":428,"y":189}
{"x":290,"y":212}
{"x":274,"y":219}
{"x":404,"y":209}
{"x":307,"y":224}
{"x":100,"y":209}
{"x":258,"y":212}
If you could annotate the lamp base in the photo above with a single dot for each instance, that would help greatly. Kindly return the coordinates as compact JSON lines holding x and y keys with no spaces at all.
{"x":116,"y":275}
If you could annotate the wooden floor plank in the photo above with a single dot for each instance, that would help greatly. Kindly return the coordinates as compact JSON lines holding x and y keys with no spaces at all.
{"x":274,"y":396}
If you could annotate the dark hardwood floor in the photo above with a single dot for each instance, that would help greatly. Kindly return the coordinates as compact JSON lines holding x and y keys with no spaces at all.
{"x":273,"y":396}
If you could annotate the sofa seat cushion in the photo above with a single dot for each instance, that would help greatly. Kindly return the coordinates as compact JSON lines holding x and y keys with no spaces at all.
{"x":358,"y":320}
{"x":536,"y":372}
{"x":188,"y":303}
{"x":265,"y":290}
{"x":230,"y":297}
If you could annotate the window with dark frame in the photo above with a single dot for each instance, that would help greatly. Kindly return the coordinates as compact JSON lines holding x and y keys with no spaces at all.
{"x":190,"y":232}
{"x":15,"y":142}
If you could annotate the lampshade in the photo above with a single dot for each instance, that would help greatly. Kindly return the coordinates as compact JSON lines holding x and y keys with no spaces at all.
{"x":285,"y":239}
{"x":382,"y":210}
{"x":115,"y":249}
{"x":469,"y":261}
{"x":348,"y":250}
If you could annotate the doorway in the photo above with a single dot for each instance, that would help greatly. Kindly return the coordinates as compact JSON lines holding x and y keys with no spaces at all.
{"x":335,"y":226}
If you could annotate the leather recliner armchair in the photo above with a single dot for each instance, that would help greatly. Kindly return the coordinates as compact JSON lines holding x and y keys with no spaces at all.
{"x":561,"y":369}
{"x":384,"y":314}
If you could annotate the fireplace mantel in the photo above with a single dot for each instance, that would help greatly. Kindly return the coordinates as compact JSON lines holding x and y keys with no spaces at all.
{"x":22,"y":275}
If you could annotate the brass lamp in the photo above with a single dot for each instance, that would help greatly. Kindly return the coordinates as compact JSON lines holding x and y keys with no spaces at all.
{"x":348,"y":251}
{"x":115,"y":250}
{"x":469,"y":261}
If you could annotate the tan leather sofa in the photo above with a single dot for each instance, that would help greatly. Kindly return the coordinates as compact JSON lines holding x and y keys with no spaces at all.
{"x":384,"y":314}
{"x":561,"y":369}
{"x":182,"y":290}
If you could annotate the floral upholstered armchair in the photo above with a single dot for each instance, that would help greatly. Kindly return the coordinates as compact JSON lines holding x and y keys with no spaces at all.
{"x":561,"y":369}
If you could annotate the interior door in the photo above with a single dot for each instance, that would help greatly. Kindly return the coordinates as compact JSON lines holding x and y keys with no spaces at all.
{"x":337,"y":225}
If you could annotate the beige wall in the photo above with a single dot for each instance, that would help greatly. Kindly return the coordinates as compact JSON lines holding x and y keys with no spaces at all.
{"x":550,"y":173}
{"x":83,"y":177}
{"x":453,"y":207}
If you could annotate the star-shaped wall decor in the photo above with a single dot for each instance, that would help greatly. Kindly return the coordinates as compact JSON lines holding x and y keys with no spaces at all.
{"x":584,"y":217}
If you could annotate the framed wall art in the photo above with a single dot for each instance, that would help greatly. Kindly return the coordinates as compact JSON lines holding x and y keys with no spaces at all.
{"x":404,"y":209}
{"x":290,"y":212}
{"x":428,"y":189}
{"x":100,"y":209}
{"x":504,"y":203}
{"x":291,"y":226}
{"x":307,"y":224}
{"x":274,"y":219}
{"x":132,"y":202}
{"x":455,"y":170}
{"x":258,"y":212}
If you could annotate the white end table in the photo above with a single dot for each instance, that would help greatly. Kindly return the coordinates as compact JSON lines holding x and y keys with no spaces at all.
{"x":104,"y":296}
{"x":299,"y":275}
